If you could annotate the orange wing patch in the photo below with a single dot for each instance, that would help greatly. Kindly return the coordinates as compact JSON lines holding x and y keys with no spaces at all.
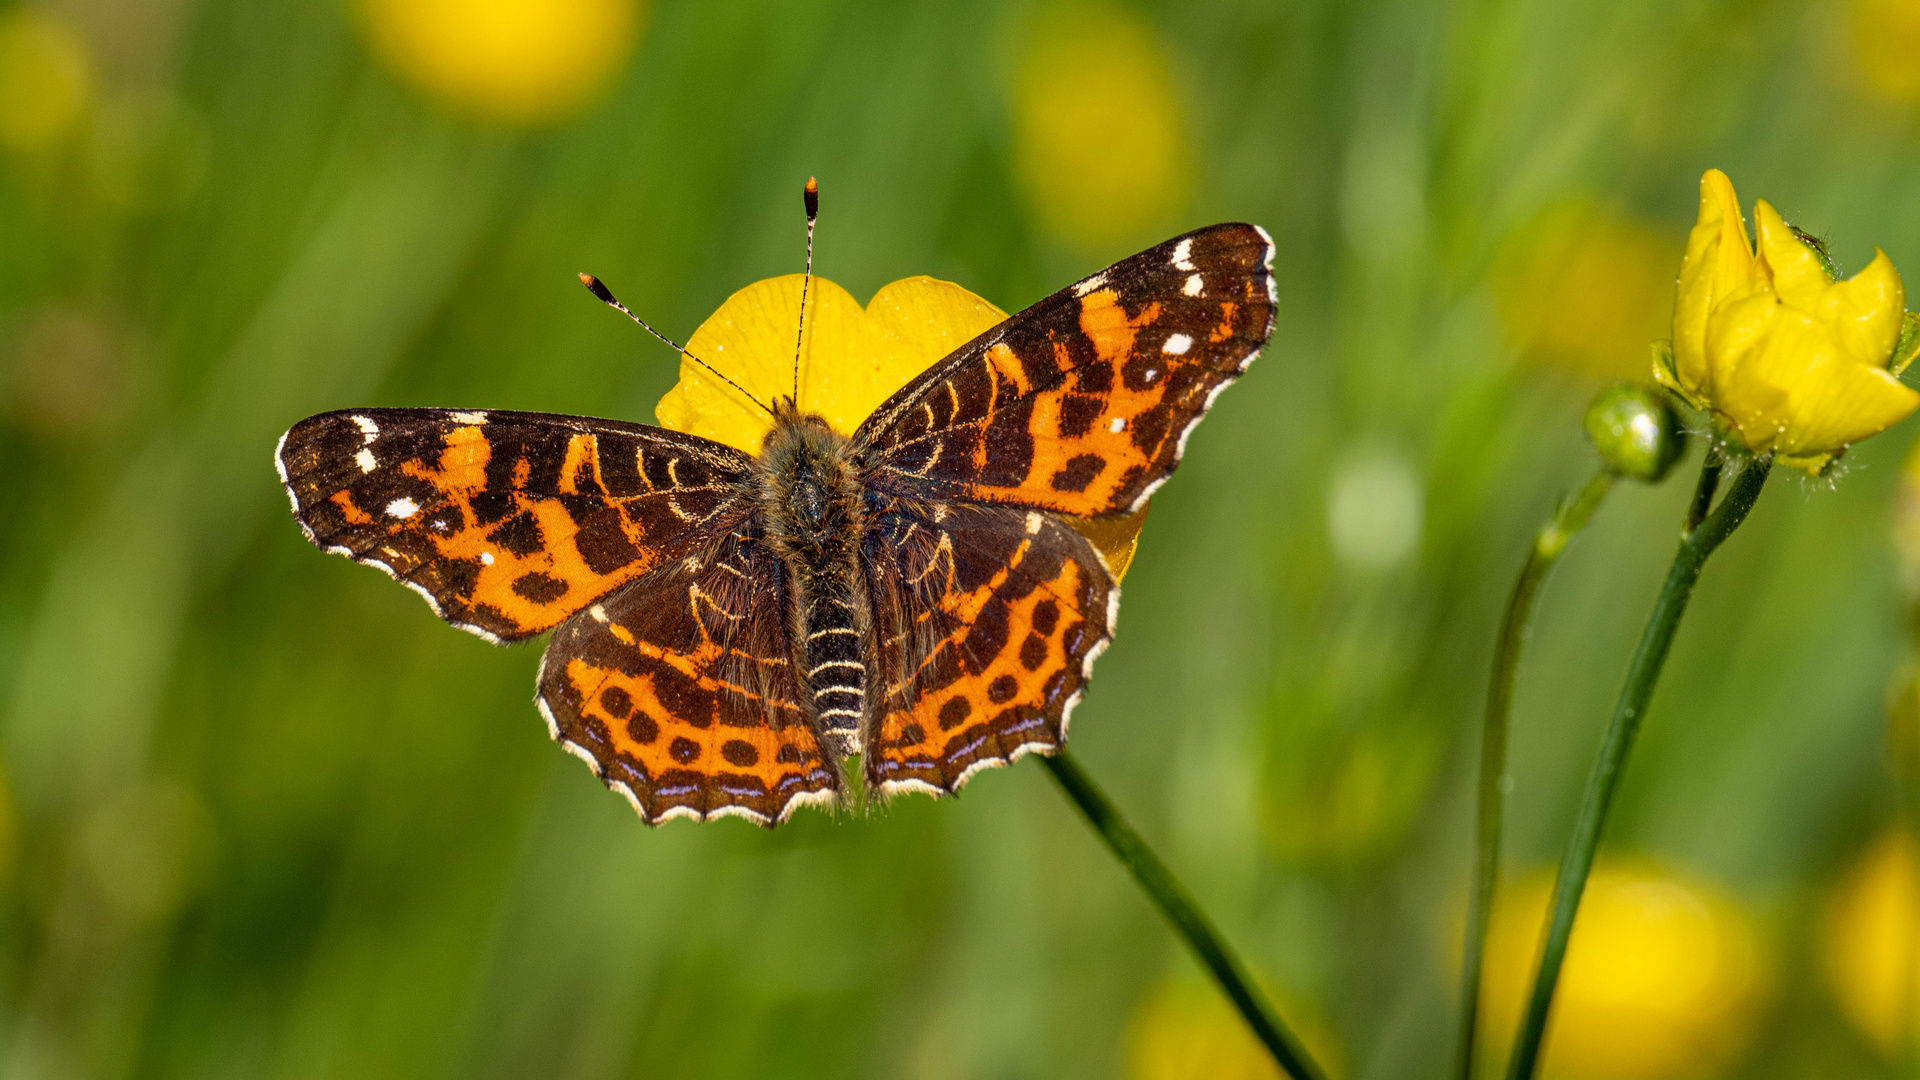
{"x":1082,"y":403}
{"x":508,"y":523}
{"x":990,"y":620}
{"x":680,"y":693}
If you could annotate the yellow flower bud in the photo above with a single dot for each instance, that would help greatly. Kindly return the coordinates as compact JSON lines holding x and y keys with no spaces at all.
{"x":852,"y":360}
{"x":1792,"y":362}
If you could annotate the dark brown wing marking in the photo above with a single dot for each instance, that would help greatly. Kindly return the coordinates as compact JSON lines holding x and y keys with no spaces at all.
{"x":679,"y":691}
{"x":507,"y":522}
{"x":1082,"y":403}
{"x":988,"y":622}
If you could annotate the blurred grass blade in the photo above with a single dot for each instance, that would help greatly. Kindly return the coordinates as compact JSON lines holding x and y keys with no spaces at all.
{"x":1642,"y":675}
{"x":1568,"y":519}
{"x":1172,"y":899}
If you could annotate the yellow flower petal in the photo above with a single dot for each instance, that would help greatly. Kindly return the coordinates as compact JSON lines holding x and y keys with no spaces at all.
{"x":853,"y":358}
{"x":1803,"y":396}
{"x":1718,"y":261}
{"x":1867,"y":310}
{"x":852,"y":361}
{"x":1797,"y":274}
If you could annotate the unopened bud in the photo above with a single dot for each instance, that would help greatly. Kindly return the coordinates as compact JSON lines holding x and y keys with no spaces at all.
{"x":1636,"y":431}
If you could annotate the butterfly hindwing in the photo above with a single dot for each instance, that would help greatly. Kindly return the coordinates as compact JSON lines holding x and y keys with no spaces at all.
{"x":507,"y":522}
{"x":679,"y":691}
{"x":988,"y":620}
{"x":1081,"y":404}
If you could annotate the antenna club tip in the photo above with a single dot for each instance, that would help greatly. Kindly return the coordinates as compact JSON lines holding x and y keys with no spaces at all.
{"x":593,"y":286}
{"x":813,"y":198}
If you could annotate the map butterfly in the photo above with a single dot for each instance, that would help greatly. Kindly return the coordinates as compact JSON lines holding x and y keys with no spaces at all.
{"x":729,"y":629}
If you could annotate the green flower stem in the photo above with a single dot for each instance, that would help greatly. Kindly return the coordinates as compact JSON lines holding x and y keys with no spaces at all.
{"x":1642,"y":674}
{"x":1703,"y":492}
{"x":1185,"y":915}
{"x":1568,"y":519}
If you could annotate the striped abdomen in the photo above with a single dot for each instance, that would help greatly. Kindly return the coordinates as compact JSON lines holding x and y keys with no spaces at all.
{"x":835,"y":670}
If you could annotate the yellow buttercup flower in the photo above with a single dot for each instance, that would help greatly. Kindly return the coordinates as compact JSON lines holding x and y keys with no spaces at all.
{"x":1886,"y":41}
{"x":1099,"y":144}
{"x":1183,"y":1030}
{"x":852,"y":359}
{"x":45,"y":80}
{"x":1664,"y":977}
{"x":1582,"y":288}
{"x":1906,"y":523}
{"x":1793,"y":362}
{"x":1870,"y":942}
{"x":517,"y":63}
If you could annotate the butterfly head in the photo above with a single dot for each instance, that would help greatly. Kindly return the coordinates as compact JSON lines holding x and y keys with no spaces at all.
{"x":809,"y":486}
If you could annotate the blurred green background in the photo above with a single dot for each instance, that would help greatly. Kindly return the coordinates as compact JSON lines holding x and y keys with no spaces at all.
{"x":265,"y":816}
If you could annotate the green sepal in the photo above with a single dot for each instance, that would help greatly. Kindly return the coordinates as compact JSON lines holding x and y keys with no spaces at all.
{"x":1909,"y":346}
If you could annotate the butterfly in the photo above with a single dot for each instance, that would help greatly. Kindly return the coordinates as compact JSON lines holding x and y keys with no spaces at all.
{"x":731,"y":630}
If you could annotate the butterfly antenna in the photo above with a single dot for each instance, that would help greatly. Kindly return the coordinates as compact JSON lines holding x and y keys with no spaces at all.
{"x":605,"y":296}
{"x":812,"y":199}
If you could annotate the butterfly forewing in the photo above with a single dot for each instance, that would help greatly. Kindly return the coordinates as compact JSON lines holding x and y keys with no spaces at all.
{"x":1081,"y":404}
{"x":506,"y":522}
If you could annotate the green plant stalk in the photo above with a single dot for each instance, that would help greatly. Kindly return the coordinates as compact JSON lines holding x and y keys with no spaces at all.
{"x":1186,"y":917}
{"x":1568,"y":519}
{"x":1703,"y":491}
{"x":1642,"y":674}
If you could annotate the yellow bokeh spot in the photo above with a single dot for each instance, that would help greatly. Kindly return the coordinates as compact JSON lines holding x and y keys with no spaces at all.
{"x":1184,"y":1030}
{"x":1098,"y":140}
{"x":851,"y":360}
{"x":1886,"y":43}
{"x":1664,"y":978}
{"x":1906,"y":523}
{"x":1584,"y":290}
{"x":1870,"y":942}
{"x":45,"y":81}
{"x":517,"y":63}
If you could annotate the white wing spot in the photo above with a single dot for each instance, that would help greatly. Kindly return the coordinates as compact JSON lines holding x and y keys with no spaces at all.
{"x":1119,"y":425}
{"x":1183,"y":254}
{"x":599,"y":613}
{"x":1193,"y":286}
{"x":1033,"y":522}
{"x":365,"y":460}
{"x":402,"y":507}
{"x":470,"y":417}
{"x":1090,"y":284}
{"x":486,"y":558}
{"x":1150,"y":374}
{"x":368,"y":429}
{"x":1177,"y":344}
